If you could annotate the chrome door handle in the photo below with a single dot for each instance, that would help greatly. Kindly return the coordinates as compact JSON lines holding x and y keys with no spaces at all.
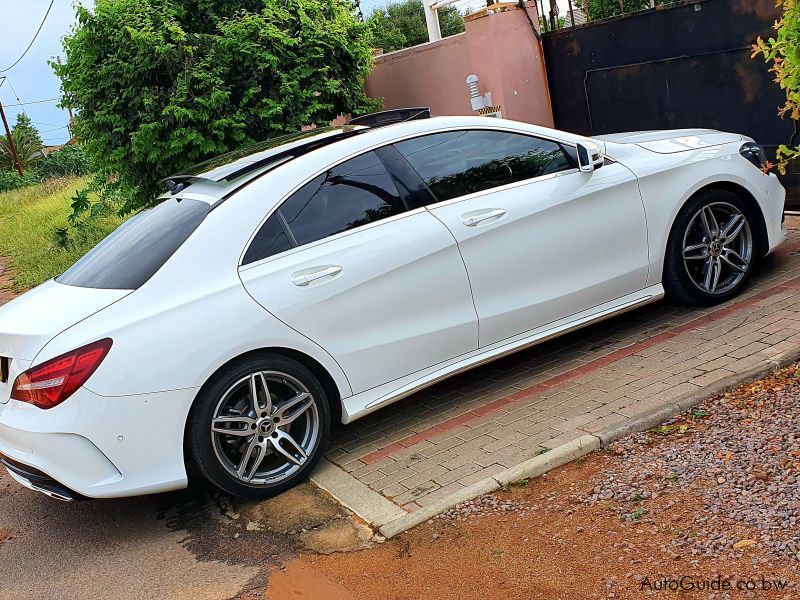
{"x":304,"y":278}
{"x":472,"y":219}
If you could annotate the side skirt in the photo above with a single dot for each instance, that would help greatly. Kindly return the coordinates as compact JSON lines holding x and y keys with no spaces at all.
{"x":371,"y":400}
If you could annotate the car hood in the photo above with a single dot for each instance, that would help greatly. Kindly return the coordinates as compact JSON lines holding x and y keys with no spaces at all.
{"x":669,"y":141}
{"x":28,"y":322}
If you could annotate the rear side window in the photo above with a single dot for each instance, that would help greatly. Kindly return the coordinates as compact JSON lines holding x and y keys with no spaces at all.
{"x":457,"y":163}
{"x":138,"y":248}
{"x":354,"y":193}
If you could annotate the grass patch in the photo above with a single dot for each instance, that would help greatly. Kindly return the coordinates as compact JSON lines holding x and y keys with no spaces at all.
{"x":29,"y":219}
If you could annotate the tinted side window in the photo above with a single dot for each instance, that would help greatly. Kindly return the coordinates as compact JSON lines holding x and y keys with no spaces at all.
{"x":458,"y":163}
{"x":269,"y":240}
{"x":138,"y":248}
{"x":351,"y":194}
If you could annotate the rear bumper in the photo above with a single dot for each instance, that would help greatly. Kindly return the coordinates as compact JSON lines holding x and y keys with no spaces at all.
{"x":97,"y":446}
{"x":35,"y":480}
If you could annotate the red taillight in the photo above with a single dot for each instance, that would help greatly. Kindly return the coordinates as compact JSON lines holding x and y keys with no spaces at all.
{"x":50,"y":383}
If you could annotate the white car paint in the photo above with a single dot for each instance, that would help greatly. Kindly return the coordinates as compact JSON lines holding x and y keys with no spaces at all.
{"x":365,"y":315}
{"x":417,"y":297}
{"x":556,"y":216}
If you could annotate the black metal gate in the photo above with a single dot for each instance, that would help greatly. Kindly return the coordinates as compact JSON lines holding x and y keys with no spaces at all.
{"x":684,"y":65}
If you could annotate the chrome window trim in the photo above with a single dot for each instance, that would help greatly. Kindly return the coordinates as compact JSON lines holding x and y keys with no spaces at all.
{"x":374,"y":147}
{"x":325,"y":240}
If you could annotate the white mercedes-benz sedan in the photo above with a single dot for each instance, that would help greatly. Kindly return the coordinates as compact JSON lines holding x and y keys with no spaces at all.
{"x":318,"y":277}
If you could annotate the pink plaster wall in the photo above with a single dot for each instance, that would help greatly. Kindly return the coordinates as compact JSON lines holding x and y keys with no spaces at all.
{"x":499,"y":48}
{"x":430,"y":75}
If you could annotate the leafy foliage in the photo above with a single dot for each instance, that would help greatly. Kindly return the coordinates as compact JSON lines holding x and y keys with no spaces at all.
{"x":71,"y":161}
{"x":27,"y":141}
{"x":162,"y":84}
{"x":402,"y":24}
{"x":30,"y":221}
{"x":603,"y":9}
{"x":11,"y":180}
{"x":783,"y":51}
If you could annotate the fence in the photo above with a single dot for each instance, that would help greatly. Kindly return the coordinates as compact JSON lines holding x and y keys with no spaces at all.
{"x":687,"y":64}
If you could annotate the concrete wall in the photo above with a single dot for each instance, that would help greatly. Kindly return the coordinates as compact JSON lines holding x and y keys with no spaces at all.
{"x":499,"y":48}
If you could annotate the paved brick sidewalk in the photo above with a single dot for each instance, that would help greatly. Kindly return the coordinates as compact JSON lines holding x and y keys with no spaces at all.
{"x":484,"y":421}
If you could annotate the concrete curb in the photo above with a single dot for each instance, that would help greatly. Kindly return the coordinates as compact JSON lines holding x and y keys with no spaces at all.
{"x":354,"y":495}
{"x":538,"y":465}
{"x":412,"y":519}
{"x":533,"y":467}
{"x":655,"y":417}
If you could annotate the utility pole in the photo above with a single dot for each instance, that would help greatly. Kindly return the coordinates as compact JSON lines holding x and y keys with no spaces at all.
{"x":11,"y":141}
{"x":71,"y":126}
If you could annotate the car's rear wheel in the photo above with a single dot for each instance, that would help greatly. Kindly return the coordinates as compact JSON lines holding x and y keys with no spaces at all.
{"x":259,"y":427}
{"x":712,"y":249}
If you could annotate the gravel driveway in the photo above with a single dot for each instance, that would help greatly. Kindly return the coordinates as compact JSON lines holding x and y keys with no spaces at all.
{"x":740,"y":453}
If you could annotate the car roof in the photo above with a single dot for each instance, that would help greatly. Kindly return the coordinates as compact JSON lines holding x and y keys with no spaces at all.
{"x":219,"y":177}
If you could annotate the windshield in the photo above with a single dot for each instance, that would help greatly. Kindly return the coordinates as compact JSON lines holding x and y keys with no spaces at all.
{"x":138,"y":248}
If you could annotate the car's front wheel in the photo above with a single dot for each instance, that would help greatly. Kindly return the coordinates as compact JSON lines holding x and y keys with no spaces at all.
{"x":712,"y":249}
{"x":259,"y":427}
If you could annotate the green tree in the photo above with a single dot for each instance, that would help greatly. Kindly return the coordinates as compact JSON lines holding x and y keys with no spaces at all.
{"x":783,"y":51}
{"x":162,"y":84}
{"x":402,"y":24}
{"x":602,"y":9}
{"x":27,"y":141}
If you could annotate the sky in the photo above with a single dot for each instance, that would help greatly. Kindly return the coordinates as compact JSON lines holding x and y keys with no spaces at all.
{"x":32,"y":79}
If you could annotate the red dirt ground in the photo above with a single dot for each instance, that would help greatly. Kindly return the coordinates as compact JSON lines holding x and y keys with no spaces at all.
{"x":563,"y":550}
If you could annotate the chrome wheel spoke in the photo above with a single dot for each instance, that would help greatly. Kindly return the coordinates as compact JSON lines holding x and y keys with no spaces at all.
{"x":738,"y":263}
{"x":258,"y":382}
{"x":709,"y":222}
{"x":712,"y":272}
{"x":733,"y":228}
{"x":255,"y":454}
{"x":294,"y":447}
{"x":233,"y":425}
{"x":293,"y":408}
{"x":691,"y":252}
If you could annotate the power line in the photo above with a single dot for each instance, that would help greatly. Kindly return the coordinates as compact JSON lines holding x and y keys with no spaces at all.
{"x":13,"y":91}
{"x":55,"y":129}
{"x":35,"y":102}
{"x":35,"y":35}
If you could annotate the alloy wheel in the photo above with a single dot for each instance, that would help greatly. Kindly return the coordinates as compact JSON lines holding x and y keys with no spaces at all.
{"x":717,"y":248}
{"x":265,"y":427}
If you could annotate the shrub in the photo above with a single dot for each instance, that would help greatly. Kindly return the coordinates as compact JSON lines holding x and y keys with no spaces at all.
{"x":783,"y":51}
{"x":67,"y":162}
{"x":11,"y":180}
{"x":162,"y":84}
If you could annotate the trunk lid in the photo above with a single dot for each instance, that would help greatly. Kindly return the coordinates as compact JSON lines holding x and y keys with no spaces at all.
{"x":669,"y":141}
{"x":28,"y":322}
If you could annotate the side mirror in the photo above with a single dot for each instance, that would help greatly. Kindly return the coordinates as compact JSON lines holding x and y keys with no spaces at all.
{"x":589,"y":157}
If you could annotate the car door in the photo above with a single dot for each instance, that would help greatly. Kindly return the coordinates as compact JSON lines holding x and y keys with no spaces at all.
{"x":541,"y":239}
{"x":379,"y":286}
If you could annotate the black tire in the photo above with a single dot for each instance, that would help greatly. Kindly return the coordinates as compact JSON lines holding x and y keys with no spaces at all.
{"x":678,"y":282}
{"x":205,"y":448}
